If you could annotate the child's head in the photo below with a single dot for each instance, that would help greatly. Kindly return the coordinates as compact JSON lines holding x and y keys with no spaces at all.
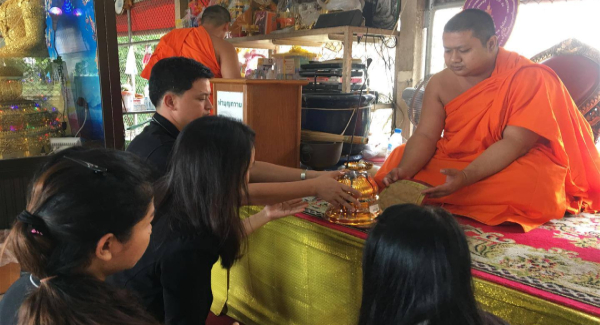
{"x":85,"y":219}
{"x":416,"y":268}
{"x":206,"y":180}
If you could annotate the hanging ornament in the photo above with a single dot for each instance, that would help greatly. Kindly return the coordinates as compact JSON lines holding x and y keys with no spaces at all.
{"x":130,"y":66}
{"x":147,"y":55}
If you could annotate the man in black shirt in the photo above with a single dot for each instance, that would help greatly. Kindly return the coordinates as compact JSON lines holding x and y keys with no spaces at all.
{"x":180,"y":91}
{"x":155,"y":143}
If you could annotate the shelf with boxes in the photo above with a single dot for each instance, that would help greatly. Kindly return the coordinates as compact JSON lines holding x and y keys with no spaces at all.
{"x":318,"y":37}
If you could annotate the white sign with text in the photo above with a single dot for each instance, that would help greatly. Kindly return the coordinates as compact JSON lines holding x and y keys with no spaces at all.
{"x":230,"y":104}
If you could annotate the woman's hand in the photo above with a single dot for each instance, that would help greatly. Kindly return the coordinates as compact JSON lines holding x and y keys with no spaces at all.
{"x":329,"y":189}
{"x":284,"y":209}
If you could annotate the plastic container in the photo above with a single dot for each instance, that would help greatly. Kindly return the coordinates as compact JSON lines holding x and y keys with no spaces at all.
{"x":334,"y":113}
{"x":128,"y":97}
{"x":395,"y":141}
{"x":287,"y":65}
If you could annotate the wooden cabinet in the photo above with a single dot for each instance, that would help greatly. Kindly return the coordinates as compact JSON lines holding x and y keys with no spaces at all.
{"x":271,"y":108}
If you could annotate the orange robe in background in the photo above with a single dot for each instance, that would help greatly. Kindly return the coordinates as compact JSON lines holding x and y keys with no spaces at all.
{"x":559,"y":174}
{"x":193,"y":43}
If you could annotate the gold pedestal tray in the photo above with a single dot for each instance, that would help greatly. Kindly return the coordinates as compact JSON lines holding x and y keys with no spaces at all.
{"x":401,"y":192}
{"x":365,"y":214}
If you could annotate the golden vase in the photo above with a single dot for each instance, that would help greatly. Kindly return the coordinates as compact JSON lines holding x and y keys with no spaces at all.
{"x":367,"y":212}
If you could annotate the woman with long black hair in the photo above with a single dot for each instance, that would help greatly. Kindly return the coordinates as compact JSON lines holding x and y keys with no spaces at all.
{"x":198,"y":203}
{"x":88,"y":216}
{"x":417,"y":271}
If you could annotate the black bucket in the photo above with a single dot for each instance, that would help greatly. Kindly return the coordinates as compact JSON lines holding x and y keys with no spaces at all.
{"x":334,"y":113}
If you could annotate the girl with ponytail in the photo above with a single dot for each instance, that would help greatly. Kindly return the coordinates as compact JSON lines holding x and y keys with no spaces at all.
{"x":88,"y":216}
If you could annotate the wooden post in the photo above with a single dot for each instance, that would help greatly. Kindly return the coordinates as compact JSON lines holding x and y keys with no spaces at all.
{"x":409,"y":53}
{"x":180,"y":8}
{"x":347,"y":65}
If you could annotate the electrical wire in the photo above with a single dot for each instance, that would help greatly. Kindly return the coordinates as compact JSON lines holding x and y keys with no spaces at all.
{"x":84,"y":120}
{"x":358,"y":103}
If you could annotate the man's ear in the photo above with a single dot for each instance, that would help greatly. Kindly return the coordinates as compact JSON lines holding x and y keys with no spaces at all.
{"x":492,"y":43}
{"x":168,"y":101}
{"x":106,"y":247}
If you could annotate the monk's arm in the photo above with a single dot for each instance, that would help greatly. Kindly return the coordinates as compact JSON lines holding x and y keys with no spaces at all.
{"x":230,"y":66}
{"x":516,"y":142}
{"x":421,"y":146}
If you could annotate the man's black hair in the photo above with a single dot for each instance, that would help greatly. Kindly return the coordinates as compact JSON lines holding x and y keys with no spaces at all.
{"x":176,"y":75}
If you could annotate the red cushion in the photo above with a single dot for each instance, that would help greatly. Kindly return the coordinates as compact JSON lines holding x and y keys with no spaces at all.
{"x":580,"y":75}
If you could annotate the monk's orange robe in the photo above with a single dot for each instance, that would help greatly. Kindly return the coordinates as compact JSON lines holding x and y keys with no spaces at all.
{"x":193,"y":43}
{"x":559,"y":175}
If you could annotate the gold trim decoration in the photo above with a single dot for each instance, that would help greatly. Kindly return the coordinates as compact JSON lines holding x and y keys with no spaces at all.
{"x":520,"y":308}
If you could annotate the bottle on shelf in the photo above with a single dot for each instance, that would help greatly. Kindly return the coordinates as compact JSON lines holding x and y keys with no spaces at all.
{"x":394,"y":142}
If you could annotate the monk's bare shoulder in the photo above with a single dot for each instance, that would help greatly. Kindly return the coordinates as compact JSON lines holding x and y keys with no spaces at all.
{"x":222,"y":47}
{"x":227,"y":58}
{"x":447,"y":86}
{"x":434,"y":86}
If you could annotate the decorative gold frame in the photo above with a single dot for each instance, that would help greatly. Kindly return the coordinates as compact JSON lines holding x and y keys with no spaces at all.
{"x":591,"y":105}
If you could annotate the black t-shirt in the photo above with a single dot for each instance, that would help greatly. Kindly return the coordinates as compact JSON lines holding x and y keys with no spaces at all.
{"x":173,"y":277}
{"x":155,"y":143}
{"x":14,"y":297}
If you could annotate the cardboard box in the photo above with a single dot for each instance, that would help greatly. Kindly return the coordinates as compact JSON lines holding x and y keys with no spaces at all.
{"x":266,"y":21}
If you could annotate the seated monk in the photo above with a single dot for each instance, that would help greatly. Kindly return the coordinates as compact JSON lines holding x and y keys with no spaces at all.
{"x":204,"y":44}
{"x":514,"y":146}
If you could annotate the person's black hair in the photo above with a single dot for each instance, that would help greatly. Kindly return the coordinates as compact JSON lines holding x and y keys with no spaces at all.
{"x":475,"y":20}
{"x":76,"y":197}
{"x":203,"y":189}
{"x":176,"y":75}
{"x":216,"y":16}
{"x":417,"y":268}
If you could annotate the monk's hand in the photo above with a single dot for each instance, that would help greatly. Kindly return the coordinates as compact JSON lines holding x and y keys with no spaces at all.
{"x":396,"y":174}
{"x":329,"y":189}
{"x":455,"y":180}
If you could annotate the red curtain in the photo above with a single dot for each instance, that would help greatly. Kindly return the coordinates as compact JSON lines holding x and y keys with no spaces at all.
{"x":147,"y":17}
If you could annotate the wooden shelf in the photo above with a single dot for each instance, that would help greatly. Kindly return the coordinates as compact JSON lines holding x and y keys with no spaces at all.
{"x":317,"y":37}
{"x":310,"y":37}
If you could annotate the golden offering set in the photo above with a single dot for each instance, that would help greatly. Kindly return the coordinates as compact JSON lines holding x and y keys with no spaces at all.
{"x":366,"y":213}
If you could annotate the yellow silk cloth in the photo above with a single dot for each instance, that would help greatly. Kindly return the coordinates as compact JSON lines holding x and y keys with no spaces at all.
{"x":297,"y":272}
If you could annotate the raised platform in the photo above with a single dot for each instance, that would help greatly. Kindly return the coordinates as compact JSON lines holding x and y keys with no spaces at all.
{"x":305,"y":270}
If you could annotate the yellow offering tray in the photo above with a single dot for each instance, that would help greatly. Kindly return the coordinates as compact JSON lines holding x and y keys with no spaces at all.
{"x":401,"y":192}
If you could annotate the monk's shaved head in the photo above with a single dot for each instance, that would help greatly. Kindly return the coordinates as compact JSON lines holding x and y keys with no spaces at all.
{"x":216,"y":16}
{"x":475,"y":20}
